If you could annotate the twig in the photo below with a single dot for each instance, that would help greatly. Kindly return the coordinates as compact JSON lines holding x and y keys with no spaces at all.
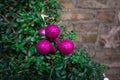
{"x":24,"y":10}
{"x":4,"y":18}
{"x":51,"y":73}
{"x":14,"y":33}
{"x":23,"y":71}
{"x":13,"y":30}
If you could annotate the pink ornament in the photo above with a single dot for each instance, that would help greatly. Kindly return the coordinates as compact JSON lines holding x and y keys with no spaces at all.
{"x":56,"y":39}
{"x":66,"y":47}
{"x":52,"y":31}
{"x":52,"y":49}
{"x":41,"y":31}
{"x":43,"y":47}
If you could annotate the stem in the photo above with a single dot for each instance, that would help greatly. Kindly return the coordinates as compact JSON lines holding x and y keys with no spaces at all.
{"x":13,"y":30}
{"x":51,"y":73}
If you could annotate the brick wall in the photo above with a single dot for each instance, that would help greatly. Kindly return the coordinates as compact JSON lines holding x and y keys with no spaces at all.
{"x":96,"y":24}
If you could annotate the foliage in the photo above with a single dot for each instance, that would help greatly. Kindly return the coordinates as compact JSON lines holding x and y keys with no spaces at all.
{"x":20,"y":21}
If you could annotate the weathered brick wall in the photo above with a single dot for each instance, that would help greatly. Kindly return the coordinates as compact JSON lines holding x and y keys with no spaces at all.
{"x":96,"y":24}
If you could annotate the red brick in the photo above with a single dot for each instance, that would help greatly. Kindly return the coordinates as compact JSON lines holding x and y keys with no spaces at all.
{"x":97,"y":3}
{"x":66,"y":3}
{"x":76,"y":15}
{"x":78,"y":37}
{"x":89,"y":38}
{"x":112,"y":52}
{"x":113,"y":65}
{"x":113,"y":73}
{"x":119,"y":16}
{"x":113,"y":76}
{"x":86,"y":27}
{"x":106,"y":16}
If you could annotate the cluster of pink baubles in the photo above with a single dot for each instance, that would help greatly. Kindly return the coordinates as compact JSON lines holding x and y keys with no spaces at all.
{"x":51,"y":32}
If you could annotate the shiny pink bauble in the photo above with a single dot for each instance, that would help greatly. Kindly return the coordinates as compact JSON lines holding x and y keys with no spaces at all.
{"x":52,"y":31}
{"x":41,"y":31}
{"x":43,"y":47}
{"x":52,"y":49}
{"x":66,"y":47}
{"x":56,"y":39}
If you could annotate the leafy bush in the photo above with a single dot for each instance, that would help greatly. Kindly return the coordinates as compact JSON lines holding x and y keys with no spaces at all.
{"x":20,"y":21}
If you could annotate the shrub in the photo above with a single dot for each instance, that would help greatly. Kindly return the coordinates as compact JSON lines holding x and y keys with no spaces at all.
{"x":20,"y":21}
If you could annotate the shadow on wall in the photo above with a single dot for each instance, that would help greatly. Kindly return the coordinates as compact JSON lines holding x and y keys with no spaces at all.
{"x":111,"y":37}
